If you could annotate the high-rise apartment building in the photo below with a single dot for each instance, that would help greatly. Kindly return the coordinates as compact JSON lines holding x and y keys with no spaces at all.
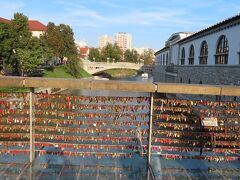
{"x":104,"y":40}
{"x":123,"y":40}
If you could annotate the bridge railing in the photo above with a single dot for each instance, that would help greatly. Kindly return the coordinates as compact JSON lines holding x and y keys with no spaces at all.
{"x":220,"y":90}
{"x":162,"y":111}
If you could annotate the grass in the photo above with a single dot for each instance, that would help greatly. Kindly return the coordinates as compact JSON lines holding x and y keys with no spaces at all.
{"x":14,"y":89}
{"x":57,"y":72}
{"x":62,"y":72}
{"x":116,"y":73}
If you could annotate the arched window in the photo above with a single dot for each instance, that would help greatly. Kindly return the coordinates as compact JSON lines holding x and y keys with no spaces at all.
{"x":191,"y":55}
{"x":183,"y":56}
{"x":221,"y":56}
{"x":167,"y":59}
{"x":203,"y":53}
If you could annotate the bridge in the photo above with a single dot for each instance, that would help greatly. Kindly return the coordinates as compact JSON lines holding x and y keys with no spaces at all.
{"x":67,"y":136}
{"x":95,"y":67}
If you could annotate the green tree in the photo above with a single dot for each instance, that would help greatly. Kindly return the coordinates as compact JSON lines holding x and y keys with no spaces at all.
{"x":131,"y":56}
{"x":54,"y":39}
{"x":117,"y":53}
{"x":74,"y":66}
{"x":18,"y":49}
{"x":61,"y":41}
{"x":111,"y":53}
{"x":148,"y":56}
{"x":29,"y":57}
{"x":94,"y":55}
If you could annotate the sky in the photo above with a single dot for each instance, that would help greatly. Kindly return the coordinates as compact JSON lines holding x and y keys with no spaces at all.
{"x":150,"y":22}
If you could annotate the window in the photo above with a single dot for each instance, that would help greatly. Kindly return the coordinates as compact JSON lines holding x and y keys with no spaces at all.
{"x":191,"y":55}
{"x":222,"y":49}
{"x":182,"y":56}
{"x":167,"y":59}
{"x":238,"y":57}
{"x":203,"y":53}
{"x":181,"y":80}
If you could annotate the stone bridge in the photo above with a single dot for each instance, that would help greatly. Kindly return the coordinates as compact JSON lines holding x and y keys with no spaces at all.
{"x":95,"y":67}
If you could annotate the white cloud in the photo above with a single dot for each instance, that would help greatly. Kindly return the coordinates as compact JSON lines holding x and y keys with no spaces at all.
{"x":9,"y":8}
{"x":107,"y":3}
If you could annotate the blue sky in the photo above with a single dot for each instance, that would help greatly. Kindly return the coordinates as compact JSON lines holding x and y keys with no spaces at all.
{"x":150,"y":22}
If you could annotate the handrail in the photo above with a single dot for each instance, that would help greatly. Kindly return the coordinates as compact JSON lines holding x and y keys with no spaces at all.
{"x":35,"y":82}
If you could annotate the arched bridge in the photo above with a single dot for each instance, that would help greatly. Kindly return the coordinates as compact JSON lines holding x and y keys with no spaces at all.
{"x":95,"y":67}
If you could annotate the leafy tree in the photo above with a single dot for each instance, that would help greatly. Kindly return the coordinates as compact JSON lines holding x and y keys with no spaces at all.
{"x":131,"y":56}
{"x":54,"y":39}
{"x":74,"y":66}
{"x":60,"y":39}
{"x":112,"y":53}
{"x":117,"y":53}
{"x":94,"y":54}
{"x":21,"y":52}
{"x":35,"y":53}
{"x":148,"y":56}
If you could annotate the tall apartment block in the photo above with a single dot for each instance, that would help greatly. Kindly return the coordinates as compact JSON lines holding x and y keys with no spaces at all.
{"x":123,"y":40}
{"x":104,"y":40}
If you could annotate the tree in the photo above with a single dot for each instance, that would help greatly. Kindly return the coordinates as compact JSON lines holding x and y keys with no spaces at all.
{"x":35,"y":53}
{"x":131,"y":56}
{"x":117,"y":53}
{"x":148,"y":56}
{"x":112,"y":53}
{"x":19,"y":50}
{"x":54,"y":39}
{"x":74,"y":66}
{"x":94,"y":54}
{"x":61,"y":41}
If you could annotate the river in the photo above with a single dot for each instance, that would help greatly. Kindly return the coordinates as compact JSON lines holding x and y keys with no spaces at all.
{"x":84,"y":92}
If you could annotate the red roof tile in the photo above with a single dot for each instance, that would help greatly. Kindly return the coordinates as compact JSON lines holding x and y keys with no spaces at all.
{"x":36,"y":26}
{"x":4,"y":20}
{"x":84,"y":50}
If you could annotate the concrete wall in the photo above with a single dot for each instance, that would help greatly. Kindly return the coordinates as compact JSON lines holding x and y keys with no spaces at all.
{"x":214,"y":75}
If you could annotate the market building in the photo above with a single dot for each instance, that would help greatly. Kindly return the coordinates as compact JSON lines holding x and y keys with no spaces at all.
{"x":210,"y":56}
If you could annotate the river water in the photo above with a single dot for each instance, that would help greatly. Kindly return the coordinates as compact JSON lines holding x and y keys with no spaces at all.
{"x":84,"y":92}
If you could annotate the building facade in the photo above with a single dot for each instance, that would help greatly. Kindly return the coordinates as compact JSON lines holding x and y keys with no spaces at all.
{"x":35,"y":27}
{"x":104,"y":40}
{"x":210,"y":56}
{"x":123,"y":40}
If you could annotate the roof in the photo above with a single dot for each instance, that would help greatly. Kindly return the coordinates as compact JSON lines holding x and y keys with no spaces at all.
{"x":161,"y":50}
{"x":4,"y":20}
{"x":33,"y":25}
{"x":227,"y":22}
{"x":36,"y":26}
{"x":84,"y":50}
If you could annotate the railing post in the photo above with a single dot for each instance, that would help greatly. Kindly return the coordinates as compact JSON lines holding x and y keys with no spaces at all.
{"x":150,"y":129}
{"x":31,"y":104}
